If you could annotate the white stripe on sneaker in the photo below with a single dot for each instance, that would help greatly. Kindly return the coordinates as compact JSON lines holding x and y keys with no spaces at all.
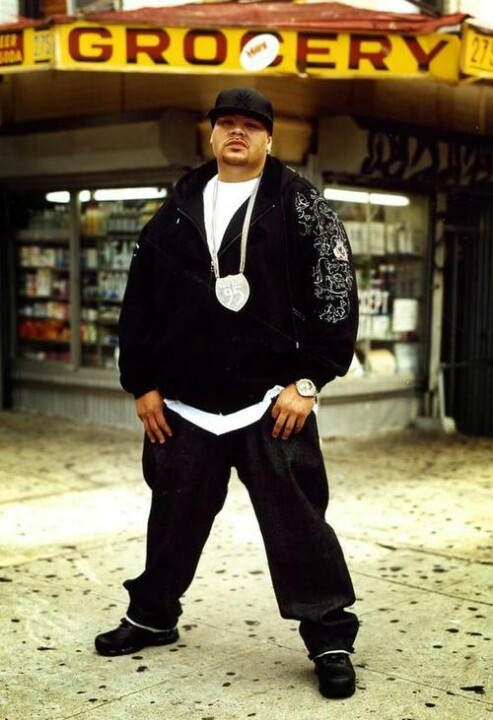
{"x":146,"y":627}
{"x":332,"y":652}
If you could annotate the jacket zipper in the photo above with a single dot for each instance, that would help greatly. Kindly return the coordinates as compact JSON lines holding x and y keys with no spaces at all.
{"x":202,"y":236}
{"x":223,"y":248}
{"x":255,"y":220}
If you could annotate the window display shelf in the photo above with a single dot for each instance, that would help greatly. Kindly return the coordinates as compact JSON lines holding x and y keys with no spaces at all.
{"x":109,"y":232}
{"x":44,"y":330}
{"x":49,"y":256}
{"x":46,"y":341}
{"x":42,"y":296}
{"x":47,"y":355}
{"x":41,"y":309}
{"x":43,"y":235}
{"x":105,"y":261}
{"x":43,"y":282}
{"x":388,"y":240}
{"x":72,"y":258}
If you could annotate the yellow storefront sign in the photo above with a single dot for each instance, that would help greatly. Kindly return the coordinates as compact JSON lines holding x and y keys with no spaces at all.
{"x":90,"y":46}
{"x":26,"y":49}
{"x":110,"y":47}
{"x":477,"y":53}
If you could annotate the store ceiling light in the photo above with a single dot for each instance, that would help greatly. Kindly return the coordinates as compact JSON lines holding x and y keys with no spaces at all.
{"x":360,"y":196}
{"x":389,"y":200}
{"x":140,"y":193}
{"x":354,"y":196}
{"x":61,"y":197}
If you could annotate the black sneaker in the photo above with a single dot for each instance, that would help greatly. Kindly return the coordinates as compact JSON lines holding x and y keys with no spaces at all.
{"x":336,"y":675}
{"x":129,"y":638}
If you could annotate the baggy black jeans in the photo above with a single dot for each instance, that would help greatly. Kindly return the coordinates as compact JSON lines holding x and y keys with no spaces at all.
{"x":287,"y":484}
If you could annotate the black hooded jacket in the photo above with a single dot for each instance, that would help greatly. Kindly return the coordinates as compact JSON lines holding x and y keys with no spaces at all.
{"x":299,"y":321}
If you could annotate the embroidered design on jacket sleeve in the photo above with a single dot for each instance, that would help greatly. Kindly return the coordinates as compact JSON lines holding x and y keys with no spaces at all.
{"x":332,"y":273}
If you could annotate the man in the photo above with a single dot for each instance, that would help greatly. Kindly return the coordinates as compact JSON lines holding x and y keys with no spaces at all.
{"x":241,"y":304}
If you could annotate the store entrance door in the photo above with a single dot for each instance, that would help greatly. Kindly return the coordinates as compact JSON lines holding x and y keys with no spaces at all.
{"x":467,"y":343}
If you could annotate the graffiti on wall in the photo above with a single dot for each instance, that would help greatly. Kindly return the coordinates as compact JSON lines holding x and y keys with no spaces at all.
{"x":426,"y":160}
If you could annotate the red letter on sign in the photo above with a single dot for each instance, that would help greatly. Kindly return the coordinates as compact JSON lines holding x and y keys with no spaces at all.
{"x":420,"y":55}
{"x":104,"y":51}
{"x":304,"y":50}
{"x":376,"y":57}
{"x":189,"y":47}
{"x":154,"y":50}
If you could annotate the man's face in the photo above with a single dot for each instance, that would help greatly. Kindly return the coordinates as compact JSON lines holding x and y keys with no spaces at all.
{"x":242,"y":142}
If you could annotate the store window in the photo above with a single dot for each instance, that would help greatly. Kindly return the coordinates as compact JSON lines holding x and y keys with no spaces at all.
{"x":73,"y":253}
{"x":110,"y":224}
{"x":43,"y":294}
{"x":388,"y":235}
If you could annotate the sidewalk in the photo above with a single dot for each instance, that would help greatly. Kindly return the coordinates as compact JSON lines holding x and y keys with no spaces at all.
{"x":412,"y":511}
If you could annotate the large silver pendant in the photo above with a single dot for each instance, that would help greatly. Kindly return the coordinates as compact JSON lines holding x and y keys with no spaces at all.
{"x":232,"y":291}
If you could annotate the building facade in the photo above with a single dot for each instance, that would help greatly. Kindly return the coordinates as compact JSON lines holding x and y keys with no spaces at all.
{"x":399,"y":144}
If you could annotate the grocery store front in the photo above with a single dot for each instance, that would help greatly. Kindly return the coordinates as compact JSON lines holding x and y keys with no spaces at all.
{"x":417,"y":209}
{"x":72,"y":239}
{"x":78,"y":185}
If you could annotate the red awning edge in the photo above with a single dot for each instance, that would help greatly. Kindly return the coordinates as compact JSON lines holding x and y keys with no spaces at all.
{"x":321,"y":16}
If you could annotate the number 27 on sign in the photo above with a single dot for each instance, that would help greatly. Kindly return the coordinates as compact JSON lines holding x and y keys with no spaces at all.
{"x":480,"y":52}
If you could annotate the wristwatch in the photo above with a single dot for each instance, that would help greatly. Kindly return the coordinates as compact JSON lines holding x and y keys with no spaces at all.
{"x":306,"y":388}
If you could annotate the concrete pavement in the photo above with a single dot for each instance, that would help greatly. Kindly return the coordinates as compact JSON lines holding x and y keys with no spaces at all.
{"x":413,"y":513}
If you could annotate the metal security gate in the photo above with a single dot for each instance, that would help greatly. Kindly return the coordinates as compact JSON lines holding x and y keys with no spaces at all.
{"x":467,"y":348}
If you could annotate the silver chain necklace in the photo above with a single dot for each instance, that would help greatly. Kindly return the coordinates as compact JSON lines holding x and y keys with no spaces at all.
{"x":232,"y":291}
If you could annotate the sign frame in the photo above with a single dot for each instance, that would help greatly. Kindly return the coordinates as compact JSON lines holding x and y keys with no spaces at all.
{"x":82,"y":45}
{"x":476,"y":53}
{"x":26,"y":50}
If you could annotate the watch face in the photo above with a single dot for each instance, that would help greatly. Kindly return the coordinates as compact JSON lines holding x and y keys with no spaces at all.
{"x":306,"y":387}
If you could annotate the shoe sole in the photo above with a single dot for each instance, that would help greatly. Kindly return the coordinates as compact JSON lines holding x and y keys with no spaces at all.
{"x":338,"y":694}
{"x":108,"y":652}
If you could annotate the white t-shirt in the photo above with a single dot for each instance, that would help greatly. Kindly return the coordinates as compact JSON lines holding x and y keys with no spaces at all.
{"x":230,"y":196}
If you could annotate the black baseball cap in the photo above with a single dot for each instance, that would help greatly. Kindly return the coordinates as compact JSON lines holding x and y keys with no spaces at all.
{"x":243,"y":101}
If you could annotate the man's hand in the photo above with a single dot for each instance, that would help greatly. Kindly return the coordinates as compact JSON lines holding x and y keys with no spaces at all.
{"x":149,"y":408}
{"x":290,"y":412}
